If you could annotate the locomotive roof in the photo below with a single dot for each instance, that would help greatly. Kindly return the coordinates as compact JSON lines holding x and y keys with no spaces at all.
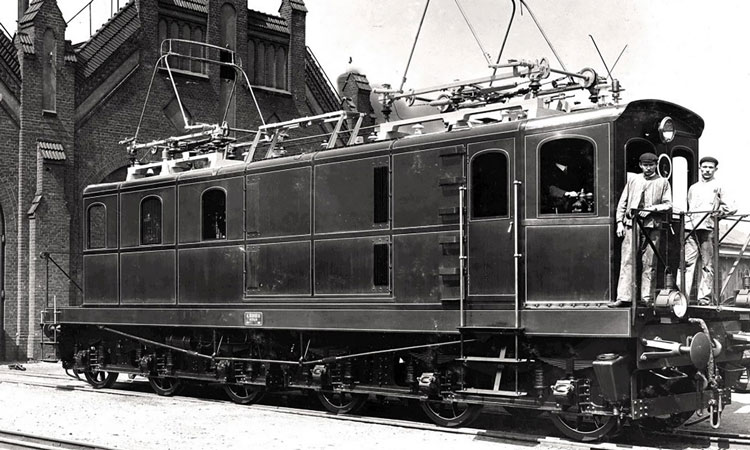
{"x":396,"y":140}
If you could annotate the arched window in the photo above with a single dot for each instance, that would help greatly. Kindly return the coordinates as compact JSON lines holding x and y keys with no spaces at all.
{"x":198,"y":51}
{"x":97,"y":226}
{"x":566,"y":177}
{"x":270,"y":66}
{"x":683,"y":176}
{"x":214,"y":212}
{"x":185,"y":48}
{"x":260,"y":65}
{"x":162,"y":31}
{"x":489,"y":185}
{"x":250,"y":67}
{"x":633,"y":151}
{"x":228,"y":29}
{"x":49,"y":71}
{"x":151,"y":220}
{"x":281,"y":68}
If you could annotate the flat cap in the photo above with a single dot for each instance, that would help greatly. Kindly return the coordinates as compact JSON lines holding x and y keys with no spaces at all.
{"x":648,"y":157}
{"x":710,"y":159}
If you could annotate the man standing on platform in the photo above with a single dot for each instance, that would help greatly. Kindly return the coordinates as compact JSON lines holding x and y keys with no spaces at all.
{"x":644,"y":194}
{"x":705,"y":200}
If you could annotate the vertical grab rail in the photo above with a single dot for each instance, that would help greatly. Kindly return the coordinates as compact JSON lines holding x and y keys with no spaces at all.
{"x":461,"y":255}
{"x":516,"y":255}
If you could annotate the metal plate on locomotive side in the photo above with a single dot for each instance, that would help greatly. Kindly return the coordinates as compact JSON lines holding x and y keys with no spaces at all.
{"x":253,"y":319}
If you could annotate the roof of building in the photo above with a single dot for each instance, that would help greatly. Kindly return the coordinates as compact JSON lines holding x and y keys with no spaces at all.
{"x":319,"y":85}
{"x":107,"y":39}
{"x":265,"y":21}
{"x":298,"y":5}
{"x":31,"y":12}
{"x":51,"y":150}
{"x":26,"y":43}
{"x":9,"y":54}
{"x":193,"y":5}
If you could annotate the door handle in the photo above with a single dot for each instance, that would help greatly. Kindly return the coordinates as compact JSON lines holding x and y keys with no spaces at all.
{"x":510,"y":227}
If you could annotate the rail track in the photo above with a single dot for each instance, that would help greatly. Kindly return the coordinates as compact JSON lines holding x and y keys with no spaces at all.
{"x":506,"y":430}
{"x":15,"y":440}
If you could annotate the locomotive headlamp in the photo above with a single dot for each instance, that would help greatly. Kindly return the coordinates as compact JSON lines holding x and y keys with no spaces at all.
{"x":674,"y":300}
{"x":666,"y":130}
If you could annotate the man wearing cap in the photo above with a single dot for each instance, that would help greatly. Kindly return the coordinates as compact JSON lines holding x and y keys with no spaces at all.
{"x":705,"y":199}
{"x":645,"y":194}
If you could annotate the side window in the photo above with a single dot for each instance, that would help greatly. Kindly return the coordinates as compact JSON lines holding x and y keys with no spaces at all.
{"x":97,"y":226}
{"x":682,"y":177}
{"x":489,"y":185}
{"x":566,"y":177}
{"x":633,"y":151}
{"x":151,"y":220}
{"x":214,"y":212}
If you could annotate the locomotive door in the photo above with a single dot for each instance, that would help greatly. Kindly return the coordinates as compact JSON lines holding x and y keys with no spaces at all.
{"x":490,"y":262}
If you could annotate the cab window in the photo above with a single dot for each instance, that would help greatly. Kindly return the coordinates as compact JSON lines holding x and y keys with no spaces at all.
{"x":683,"y":176}
{"x":97,"y":219}
{"x":566,"y":177}
{"x":214,"y":209}
{"x":151,"y":220}
{"x":489,"y":185}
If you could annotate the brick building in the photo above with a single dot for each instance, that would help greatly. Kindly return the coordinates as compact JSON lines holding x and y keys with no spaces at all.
{"x":65,"y":107}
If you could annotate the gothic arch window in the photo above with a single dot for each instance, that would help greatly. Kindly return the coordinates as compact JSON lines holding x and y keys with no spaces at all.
{"x":228,"y":26}
{"x":281,"y":68}
{"x":270,"y":66}
{"x":260,"y":65}
{"x":49,"y":72}
{"x":151,"y":220}
{"x":198,"y":51}
{"x":214,"y":213}
{"x":250,"y":67}
{"x":162,"y":31}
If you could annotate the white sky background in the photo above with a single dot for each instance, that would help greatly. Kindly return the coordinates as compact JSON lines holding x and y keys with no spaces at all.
{"x":690,"y":52}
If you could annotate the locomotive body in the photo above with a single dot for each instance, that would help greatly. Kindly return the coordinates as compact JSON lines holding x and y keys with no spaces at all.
{"x":425,"y":266}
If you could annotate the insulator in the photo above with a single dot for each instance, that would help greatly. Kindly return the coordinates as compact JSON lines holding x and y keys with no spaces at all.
{"x":539,"y":379}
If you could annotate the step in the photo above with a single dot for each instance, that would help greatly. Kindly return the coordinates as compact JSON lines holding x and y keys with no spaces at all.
{"x":488,"y":329}
{"x":491,"y":359}
{"x":492,"y":392}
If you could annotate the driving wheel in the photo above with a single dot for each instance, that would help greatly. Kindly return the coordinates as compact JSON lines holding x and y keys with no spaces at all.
{"x":100,"y":379}
{"x":166,"y":386}
{"x":450,"y":414}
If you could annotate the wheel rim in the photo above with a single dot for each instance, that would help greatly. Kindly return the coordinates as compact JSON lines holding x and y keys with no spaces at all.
{"x":243,"y":395}
{"x":165,"y":386}
{"x":341,"y":402}
{"x":450,"y":414}
{"x":583,"y":428}
{"x":100,"y":379}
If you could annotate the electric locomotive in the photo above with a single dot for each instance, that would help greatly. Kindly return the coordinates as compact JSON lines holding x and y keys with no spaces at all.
{"x":428,"y":259}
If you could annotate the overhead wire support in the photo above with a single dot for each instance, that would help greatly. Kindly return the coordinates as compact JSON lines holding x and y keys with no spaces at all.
{"x":609,"y":72}
{"x":544,"y":35}
{"x":505,"y":39}
{"x":411,"y":54}
{"x":476,"y":38}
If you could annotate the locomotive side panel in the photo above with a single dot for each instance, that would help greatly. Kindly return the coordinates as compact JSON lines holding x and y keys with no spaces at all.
{"x":280,"y":269}
{"x":352,"y":195}
{"x":100,"y":261}
{"x":147,"y":258}
{"x":425,"y":220}
{"x":553,"y":264}
{"x":490,"y":222}
{"x":278,"y":203}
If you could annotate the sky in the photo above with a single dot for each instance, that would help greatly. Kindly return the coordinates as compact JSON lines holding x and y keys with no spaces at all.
{"x":688,"y":52}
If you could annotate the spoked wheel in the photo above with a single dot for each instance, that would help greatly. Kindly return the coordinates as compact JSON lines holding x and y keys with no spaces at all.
{"x":165,"y":386}
{"x":244,"y":395}
{"x":583,"y":428}
{"x":100,"y":379}
{"x":341,"y":402}
{"x":450,"y":414}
